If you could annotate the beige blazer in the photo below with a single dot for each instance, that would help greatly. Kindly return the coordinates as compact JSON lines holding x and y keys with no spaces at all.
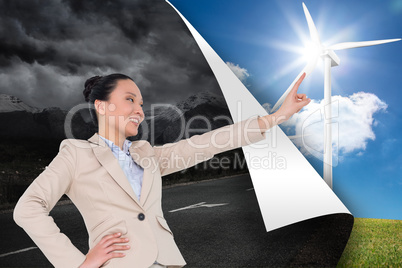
{"x":90,"y":175}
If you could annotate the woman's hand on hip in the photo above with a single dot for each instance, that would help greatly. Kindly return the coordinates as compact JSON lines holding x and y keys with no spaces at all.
{"x":105,"y":250}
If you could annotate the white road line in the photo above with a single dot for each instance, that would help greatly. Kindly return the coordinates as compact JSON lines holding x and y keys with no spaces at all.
{"x":202,"y":204}
{"x":16,"y":252}
{"x":250,"y":189}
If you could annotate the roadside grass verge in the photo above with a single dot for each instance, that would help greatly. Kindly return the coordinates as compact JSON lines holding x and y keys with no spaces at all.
{"x":373,"y":243}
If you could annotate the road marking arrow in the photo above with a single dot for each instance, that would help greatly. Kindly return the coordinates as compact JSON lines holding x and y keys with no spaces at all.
{"x":199,"y":205}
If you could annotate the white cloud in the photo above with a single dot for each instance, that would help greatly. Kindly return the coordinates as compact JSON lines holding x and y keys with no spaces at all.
{"x":240,"y":72}
{"x":267,"y":106}
{"x":352,"y":125}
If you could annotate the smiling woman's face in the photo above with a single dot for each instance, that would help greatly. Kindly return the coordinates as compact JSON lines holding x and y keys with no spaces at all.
{"x":123,"y":111}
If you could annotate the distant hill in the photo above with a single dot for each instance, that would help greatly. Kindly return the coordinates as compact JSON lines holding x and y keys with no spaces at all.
{"x":10,"y":103}
{"x":21,"y":121}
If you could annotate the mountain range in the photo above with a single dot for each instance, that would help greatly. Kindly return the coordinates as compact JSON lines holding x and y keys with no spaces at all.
{"x":163,"y":122}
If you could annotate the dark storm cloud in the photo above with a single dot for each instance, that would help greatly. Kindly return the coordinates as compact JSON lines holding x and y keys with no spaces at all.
{"x":49,"y":48}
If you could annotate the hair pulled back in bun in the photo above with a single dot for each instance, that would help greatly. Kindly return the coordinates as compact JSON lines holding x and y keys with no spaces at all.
{"x":99,"y":88}
{"x":89,"y":85}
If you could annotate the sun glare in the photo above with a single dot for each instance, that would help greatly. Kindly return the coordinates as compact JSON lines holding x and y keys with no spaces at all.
{"x":311,"y":51}
{"x":305,"y":51}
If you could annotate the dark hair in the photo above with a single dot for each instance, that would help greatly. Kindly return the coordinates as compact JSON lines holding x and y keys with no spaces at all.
{"x":99,"y":88}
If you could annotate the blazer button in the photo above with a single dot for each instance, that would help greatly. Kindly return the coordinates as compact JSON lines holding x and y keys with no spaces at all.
{"x":141,"y":216}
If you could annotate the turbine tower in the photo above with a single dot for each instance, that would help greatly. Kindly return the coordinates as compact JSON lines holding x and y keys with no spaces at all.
{"x":330,"y":60}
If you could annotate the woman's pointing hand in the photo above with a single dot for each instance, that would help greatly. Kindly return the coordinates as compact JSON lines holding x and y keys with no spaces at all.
{"x":292,"y":104}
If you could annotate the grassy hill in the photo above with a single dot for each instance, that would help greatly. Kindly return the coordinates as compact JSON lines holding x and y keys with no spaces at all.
{"x":374,"y":243}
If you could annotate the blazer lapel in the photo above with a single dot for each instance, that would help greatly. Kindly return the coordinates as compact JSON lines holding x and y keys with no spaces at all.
{"x":144,"y":157}
{"x":111,"y":164}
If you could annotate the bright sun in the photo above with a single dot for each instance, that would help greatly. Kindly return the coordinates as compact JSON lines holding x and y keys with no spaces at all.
{"x":311,"y":51}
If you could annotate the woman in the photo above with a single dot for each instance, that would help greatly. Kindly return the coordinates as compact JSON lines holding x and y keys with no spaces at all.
{"x":116,"y":184}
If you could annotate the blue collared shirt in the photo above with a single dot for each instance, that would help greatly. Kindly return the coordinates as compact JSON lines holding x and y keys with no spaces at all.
{"x":134,"y":172}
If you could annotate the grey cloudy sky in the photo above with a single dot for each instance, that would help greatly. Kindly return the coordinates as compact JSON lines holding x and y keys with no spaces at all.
{"x":49,"y":48}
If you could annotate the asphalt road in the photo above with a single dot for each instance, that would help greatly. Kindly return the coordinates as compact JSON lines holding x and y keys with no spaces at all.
{"x":215,"y":224}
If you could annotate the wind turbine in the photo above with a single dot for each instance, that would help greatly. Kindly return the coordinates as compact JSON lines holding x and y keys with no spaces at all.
{"x":330,"y":60}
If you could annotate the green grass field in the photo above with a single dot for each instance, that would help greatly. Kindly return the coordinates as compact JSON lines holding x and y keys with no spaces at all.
{"x":374,"y":243}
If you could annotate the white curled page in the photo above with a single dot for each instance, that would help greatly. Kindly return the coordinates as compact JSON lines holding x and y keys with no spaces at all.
{"x":290,"y":191}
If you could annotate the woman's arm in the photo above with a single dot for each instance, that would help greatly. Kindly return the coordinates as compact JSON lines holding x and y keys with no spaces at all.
{"x":32,"y":214}
{"x":32,"y":210}
{"x":173,"y":157}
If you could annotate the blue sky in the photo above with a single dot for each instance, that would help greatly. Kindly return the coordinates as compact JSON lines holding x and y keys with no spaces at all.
{"x":262,"y":37}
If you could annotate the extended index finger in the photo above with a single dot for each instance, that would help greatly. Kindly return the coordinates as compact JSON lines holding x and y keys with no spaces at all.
{"x":300,"y":79}
{"x":293,"y":92}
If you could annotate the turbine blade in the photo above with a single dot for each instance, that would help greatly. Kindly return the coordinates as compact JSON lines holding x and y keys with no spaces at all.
{"x":307,"y":69}
{"x":311,"y":65}
{"x":311,"y":26}
{"x":348,"y":45}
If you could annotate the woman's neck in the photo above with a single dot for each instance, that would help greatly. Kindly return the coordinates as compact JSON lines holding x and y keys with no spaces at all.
{"x":112,"y":135}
